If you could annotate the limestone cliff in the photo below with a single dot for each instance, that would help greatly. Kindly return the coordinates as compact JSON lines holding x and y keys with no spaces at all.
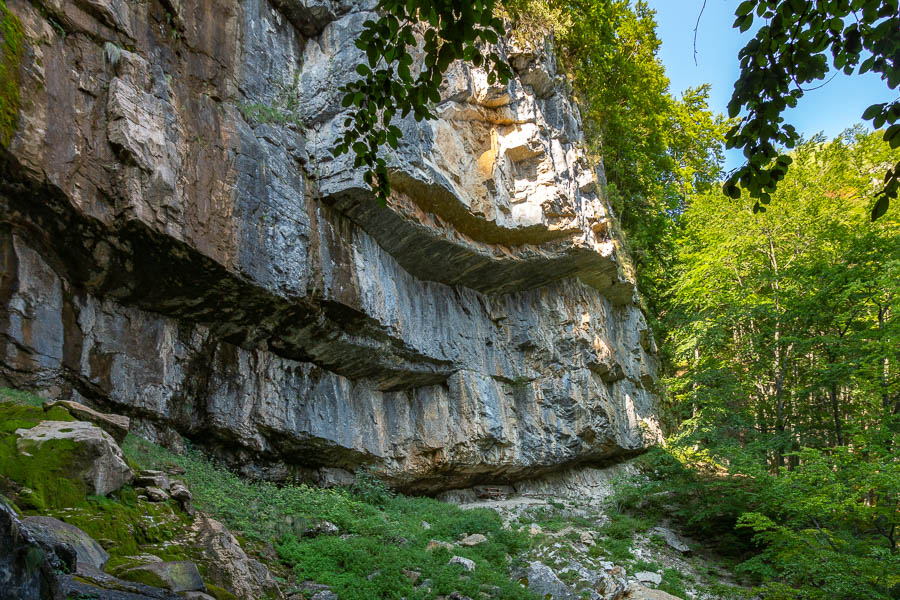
{"x":178,"y":244}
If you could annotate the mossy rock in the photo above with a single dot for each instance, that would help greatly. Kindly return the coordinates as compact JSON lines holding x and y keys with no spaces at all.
{"x":219,"y":593}
{"x":43,"y":479}
{"x":178,"y":576}
{"x":129,"y":527}
{"x":12,"y":44}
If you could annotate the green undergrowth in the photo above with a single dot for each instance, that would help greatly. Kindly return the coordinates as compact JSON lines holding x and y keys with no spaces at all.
{"x":380,"y":550}
{"x":12,"y":38}
{"x":703,"y":504}
{"x":127,"y":527}
{"x":19,"y":397}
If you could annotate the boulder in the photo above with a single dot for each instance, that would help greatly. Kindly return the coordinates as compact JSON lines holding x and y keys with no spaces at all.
{"x":229,"y":566}
{"x":636,"y":591}
{"x":435,"y":544}
{"x":27,"y":567}
{"x":316,"y":591}
{"x":176,"y":576}
{"x":148,"y":478}
{"x":180,"y":492}
{"x":155,"y":494}
{"x":648,"y":577}
{"x":320,"y":528}
{"x":466,"y":563}
{"x":94,"y":456}
{"x":97,"y":585}
{"x":542,"y":581}
{"x":413,"y":576}
{"x":53,"y":531}
{"x":672,"y":540}
{"x":115,"y":425}
{"x":473,"y":540}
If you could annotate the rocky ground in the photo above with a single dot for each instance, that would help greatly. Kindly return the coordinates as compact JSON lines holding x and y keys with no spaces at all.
{"x":83,"y":518}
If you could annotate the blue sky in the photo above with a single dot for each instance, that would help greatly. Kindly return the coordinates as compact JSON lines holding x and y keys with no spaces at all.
{"x":830,"y":109}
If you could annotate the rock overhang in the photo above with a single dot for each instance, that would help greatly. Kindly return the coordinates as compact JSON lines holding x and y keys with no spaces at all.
{"x":229,"y":280}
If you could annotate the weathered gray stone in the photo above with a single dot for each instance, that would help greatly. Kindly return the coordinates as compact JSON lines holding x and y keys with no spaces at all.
{"x":648,"y":577}
{"x":545,"y":583}
{"x":228,"y":565}
{"x":672,"y":540}
{"x":180,"y":492}
{"x":98,"y":585}
{"x":53,"y":531}
{"x":213,"y":276}
{"x":96,"y":458}
{"x":114,"y":425}
{"x":27,"y":569}
{"x":176,"y":576}
{"x":155,"y":494}
{"x":466,"y":563}
{"x":473,"y":540}
{"x":636,"y":591}
{"x":150,"y":478}
{"x":436,"y":544}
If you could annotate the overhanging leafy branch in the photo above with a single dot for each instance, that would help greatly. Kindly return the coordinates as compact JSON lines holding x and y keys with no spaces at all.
{"x":789,"y":52}
{"x":443,"y":31}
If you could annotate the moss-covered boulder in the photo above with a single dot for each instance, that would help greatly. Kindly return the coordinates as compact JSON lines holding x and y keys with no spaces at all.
{"x":177,"y":576}
{"x":43,"y":479}
{"x":92,"y":455}
{"x":53,"y":531}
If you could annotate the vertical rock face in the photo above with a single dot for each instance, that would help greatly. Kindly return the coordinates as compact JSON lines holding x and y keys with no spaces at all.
{"x":177,"y":243}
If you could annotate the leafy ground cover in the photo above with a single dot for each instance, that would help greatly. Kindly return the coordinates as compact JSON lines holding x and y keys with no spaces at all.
{"x":380,"y":548}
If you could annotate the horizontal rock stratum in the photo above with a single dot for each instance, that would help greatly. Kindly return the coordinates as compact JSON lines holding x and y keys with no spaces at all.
{"x":179,"y":245}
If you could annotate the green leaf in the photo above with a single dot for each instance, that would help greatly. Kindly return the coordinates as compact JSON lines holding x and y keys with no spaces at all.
{"x":892,"y":135}
{"x":744,"y":8}
{"x":880,"y":207}
{"x":872,"y":111}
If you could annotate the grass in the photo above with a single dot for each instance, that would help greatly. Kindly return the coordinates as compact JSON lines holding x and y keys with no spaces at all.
{"x":381,"y":539}
{"x":673,"y":583}
{"x":623,"y":527}
{"x":19,"y":397}
{"x":644,"y":565}
{"x":552,"y":518}
{"x":380,"y":550}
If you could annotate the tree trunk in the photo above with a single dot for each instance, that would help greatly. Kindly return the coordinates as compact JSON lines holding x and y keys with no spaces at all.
{"x":837,"y":414}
